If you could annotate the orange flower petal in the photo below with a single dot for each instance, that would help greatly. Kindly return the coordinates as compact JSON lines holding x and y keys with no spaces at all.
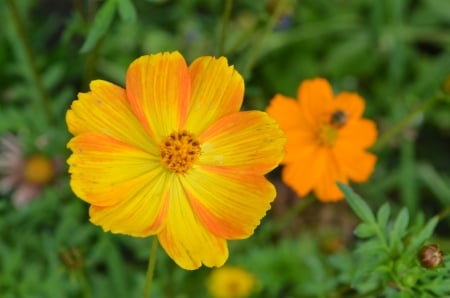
{"x":351,"y":103}
{"x":360,"y":133}
{"x":326,"y":188}
{"x":305,"y":173}
{"x":114,"y":177}
{"x":357,"y":164}
{"x":250,"y":141}
{"x":298,"y":142}
{"x":316,"y":100}
{"x":217,"y":90}
{"x":158,"y":89}
{"x":286,"y":111}
{"x":102,"y":110}
{"x":228,"y":205}
{"x":185,"y":238}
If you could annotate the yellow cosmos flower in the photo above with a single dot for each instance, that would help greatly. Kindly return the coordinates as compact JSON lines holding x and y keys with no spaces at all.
{"x":171,"y":155}
{"x":231,"y":282}
{"x":327,"y":139}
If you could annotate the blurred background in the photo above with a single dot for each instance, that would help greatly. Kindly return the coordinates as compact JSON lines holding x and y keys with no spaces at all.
{"x":396,"y":54}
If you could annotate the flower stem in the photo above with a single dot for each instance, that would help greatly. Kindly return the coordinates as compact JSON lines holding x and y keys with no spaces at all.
{"x":226,"y":20}
{"x":388,"y":135}
{"x":254,"y":53}
{"x":31,"y":60}
{"x":151,"y":267}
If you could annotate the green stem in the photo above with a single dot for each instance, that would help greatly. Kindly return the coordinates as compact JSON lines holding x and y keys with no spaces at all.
{"x":254,"y":53}
{"x":31,"y":60}
{"x":83,"y":283}
{"x":388,"y":135}
{"x":226,"y":20}
{"x":151,"y":267}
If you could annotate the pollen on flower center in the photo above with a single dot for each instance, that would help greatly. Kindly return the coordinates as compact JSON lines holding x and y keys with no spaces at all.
{"x":179,"y":151}
{"x":328,"y":135}
{"x":38,"y":170}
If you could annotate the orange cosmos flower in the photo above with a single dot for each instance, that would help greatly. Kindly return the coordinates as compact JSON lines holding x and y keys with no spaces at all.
{"x":327,"y":139}
{"x":171,"y":155}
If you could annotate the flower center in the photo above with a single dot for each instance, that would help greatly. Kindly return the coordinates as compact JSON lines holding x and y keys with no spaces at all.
{"x":38,"y":170}
{"x":179,"y":151}
{"x":328,"y":135}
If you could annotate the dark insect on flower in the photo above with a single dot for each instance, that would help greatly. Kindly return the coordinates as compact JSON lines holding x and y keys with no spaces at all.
{"x":338,"y":118}
{"x":431,"y":256}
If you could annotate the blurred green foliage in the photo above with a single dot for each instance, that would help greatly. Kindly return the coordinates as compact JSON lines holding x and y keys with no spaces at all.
{"x":396,"y":54}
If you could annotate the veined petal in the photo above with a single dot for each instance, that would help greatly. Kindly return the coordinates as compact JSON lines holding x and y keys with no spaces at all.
{"x":158,"y":89}
{"x":356,"y":163}
{"x":286,"y":111}
{"x":100,"y":165}
{"x":105,"y":110}
{"x":361,"y":133}
{"x":326,"y":188}
{"x":185,"y":239}
{"x":250,"y":141}
{"x":303,"y":174}
{"x":124,"y":184}
{"x":217,"y":90}
{"x":351,"y":103}
{"x":228,"y":205}
{"x":316,"y":100}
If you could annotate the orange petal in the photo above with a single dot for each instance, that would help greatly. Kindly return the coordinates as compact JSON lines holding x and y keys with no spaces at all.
{"x":228,"y":202}
{"x":298,"y":142}
{"x":316,"y":100}
{"x":356,"y":163}
{"x":158,"y":89}
{"x":360,"y":133}
{"x":125,"y":184}
{"x":105,"y":110}
{"x":286,"y":111}
{"x":217,"y":90}
{"x":326,"y":188}
{"x":250,"y":141}
{"x":185,"y":239}
{"x":351,"y":103}
{"x":303,"y":174}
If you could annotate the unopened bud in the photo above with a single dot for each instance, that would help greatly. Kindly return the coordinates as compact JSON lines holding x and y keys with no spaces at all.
{"x":431,"y":256}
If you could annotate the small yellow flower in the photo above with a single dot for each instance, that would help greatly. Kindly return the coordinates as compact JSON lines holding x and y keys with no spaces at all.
{"x":231,"y":282}
{"x":327,"y":139}
{"x":171,"y":155}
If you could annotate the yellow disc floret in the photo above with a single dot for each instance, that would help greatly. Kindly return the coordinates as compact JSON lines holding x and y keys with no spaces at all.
{"x":179,"y":151}
{"x":38,"y":170}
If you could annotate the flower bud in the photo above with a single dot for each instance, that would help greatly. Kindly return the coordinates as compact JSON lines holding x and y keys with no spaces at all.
{"x":431,"y":256}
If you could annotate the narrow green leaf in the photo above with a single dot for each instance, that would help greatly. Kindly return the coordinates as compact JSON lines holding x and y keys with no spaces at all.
{"x":357,"y":203}
{"x":100,"y":26}
{"x":423,"y":235}
{"x":364,"y":230}
{"x":383,"y":216}
{"x":127,"y":11}
{"x":399,"y":228}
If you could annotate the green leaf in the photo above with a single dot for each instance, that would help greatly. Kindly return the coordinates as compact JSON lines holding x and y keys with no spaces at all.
{"x":423,"y":235}
{"x":364,"y":230}
{"x":127,"y":11}
{"x":399,"y":228}
{"x":383,"y":215}
{"x":357,"y":203}
{"x":100,"y":26}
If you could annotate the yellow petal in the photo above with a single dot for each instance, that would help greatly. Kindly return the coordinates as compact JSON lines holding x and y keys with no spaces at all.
{"x":105,"y":110}
{"x":217,"y":90}
{"x":250,"y":141}
{"x":316,"y":100}
{"x":303,"y":174}
{"x":125,"y":185}
{"x":158,"y":89}
{"x":228,"y":202}
{"x":185,"y":239}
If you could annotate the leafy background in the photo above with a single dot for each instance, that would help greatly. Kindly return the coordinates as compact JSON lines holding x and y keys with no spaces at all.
{"x":396,"y":54}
